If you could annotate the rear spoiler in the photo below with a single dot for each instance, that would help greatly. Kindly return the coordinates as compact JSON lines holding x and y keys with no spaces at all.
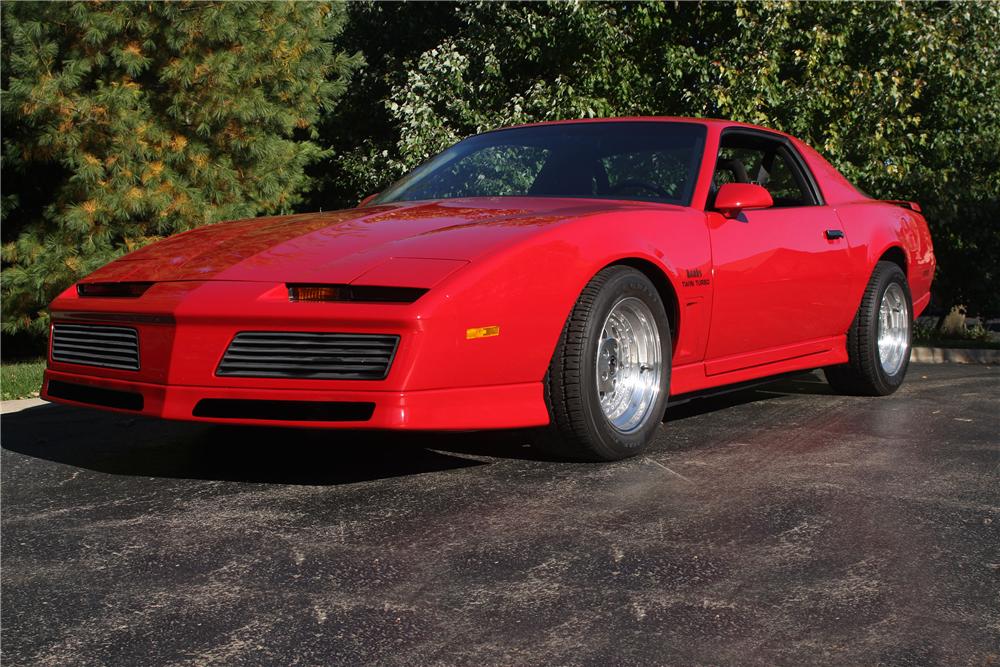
{"x":912,"y":205}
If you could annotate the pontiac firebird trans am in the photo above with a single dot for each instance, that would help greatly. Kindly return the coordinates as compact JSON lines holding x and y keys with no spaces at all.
{"x":571,"y":276}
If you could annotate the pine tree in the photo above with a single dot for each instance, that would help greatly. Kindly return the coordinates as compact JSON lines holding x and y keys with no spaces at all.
{"x":127,"y":122}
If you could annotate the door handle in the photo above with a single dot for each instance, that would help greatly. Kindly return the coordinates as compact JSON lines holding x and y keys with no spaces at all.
{"x":833,"y":234}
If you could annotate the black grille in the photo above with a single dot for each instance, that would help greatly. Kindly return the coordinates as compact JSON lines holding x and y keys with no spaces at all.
{"x":110,"y":398}
{"x":295,"y":411}
{"x":306,"y":355}
{"x":94,"y":345}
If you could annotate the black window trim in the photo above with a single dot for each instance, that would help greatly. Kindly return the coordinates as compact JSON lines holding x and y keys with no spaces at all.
{"x":796,"y":162}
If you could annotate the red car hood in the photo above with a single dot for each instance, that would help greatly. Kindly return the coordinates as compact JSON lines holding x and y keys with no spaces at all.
{"x":339,"y":246}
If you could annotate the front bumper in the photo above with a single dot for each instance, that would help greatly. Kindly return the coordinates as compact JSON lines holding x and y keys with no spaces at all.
{"x":437,"y":379}
{"x":463,"y":408}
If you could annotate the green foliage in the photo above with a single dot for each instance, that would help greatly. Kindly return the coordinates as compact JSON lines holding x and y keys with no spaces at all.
{"x":926,"y":334}
{"x":362,"y":135}
{"x":124,"y":122}
{"x":903,"y":98}
{"x":127,"y":122}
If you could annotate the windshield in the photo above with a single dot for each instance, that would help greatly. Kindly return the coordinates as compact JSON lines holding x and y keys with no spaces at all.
{"x":645,"y":161}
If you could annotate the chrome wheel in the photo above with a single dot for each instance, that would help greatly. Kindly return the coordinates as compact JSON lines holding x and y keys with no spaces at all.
{"x":629,"y":364}
{"x":893,"y":329}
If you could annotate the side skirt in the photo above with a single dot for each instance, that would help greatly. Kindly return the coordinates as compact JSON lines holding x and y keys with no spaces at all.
{"x":696,"y":378}
{"x":681,"y":399}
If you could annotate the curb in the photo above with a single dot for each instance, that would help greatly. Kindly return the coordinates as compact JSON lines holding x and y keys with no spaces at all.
{"x":7,"y":407}
{"x":952,"y":355}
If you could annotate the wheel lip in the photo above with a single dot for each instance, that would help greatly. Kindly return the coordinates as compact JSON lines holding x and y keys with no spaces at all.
{"x":893,"y":340}
{"x":638,"y":409}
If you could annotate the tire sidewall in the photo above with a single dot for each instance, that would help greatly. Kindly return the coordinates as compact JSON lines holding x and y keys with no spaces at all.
{"x":621,"y":286}
{"x":890,"y":382}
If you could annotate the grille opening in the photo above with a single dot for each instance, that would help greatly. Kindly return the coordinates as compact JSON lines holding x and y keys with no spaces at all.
{"x":96,"y":345}
{"x":109,"y":398}
{"x":299,"y":411}
{"x":309,"y":355}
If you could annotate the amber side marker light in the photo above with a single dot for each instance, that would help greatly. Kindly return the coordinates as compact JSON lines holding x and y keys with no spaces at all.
{"x":482,"y":332}
{"x":126,"y":290}
{"x":356,"y":293}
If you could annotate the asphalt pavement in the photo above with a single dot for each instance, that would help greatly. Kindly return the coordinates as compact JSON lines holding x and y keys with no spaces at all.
{"x":776,"y":526}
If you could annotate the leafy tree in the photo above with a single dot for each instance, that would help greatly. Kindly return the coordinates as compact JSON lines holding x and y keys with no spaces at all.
{"x":127,"y":122}
{"x":903,"y":98}
{"x":361,"y":133}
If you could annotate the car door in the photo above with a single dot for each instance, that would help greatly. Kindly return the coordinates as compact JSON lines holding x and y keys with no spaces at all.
{"x":781,"y":275}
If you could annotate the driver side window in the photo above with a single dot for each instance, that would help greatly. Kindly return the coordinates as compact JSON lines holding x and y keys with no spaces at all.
{"x":736,"y":165}
{"x":751,"y":159}
{"x":785,"y":189}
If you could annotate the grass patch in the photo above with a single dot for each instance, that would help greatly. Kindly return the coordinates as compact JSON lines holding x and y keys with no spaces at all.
{"x":21,"y":380}
{"x":965,"y":338}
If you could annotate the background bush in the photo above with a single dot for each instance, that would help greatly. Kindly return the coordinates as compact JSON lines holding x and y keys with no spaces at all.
{"x":903,"y":98}
{"x":126,"y":122}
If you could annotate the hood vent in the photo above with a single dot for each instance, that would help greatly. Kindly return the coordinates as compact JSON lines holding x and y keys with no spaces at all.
{"x":113,"y":290}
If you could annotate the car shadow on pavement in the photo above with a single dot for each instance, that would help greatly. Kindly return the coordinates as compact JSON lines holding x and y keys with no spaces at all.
{"x":795,"y":385}
{"x":119,"y":444}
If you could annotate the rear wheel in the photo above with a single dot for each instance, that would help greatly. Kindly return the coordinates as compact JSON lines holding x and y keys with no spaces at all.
{"x":608,"y":381}
{"x":878,"y":342}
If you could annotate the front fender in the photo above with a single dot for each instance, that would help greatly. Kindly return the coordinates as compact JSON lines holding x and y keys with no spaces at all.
{"x":528,"y":289}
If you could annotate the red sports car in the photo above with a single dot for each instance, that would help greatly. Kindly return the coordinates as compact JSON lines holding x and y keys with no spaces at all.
{"x":571,"y":276}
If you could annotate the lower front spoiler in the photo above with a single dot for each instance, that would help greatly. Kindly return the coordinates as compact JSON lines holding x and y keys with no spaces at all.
{"x":462,"y":408}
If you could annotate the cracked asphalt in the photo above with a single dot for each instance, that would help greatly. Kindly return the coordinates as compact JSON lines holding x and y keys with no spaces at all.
{"x":777,"y":526}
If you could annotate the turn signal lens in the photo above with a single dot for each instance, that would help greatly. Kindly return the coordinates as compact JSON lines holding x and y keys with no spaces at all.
{"x":130,"y":290}
{"x":315,"y":293}
{"x":357,"y":293}
{"x":482,"y":332}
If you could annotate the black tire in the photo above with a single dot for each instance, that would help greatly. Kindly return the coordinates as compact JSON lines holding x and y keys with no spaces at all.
{"x":864,"y":375}
{"x":579,"y":429}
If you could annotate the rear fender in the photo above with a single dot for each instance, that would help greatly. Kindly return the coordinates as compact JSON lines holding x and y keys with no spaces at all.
{"x":875,"y":229}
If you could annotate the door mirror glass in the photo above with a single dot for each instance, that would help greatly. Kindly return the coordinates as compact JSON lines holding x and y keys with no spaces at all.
{"x":735,"y":197}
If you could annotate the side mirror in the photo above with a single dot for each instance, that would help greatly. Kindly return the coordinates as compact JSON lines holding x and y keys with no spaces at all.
{"x":367,"y":199}
{"x":735,"y":197}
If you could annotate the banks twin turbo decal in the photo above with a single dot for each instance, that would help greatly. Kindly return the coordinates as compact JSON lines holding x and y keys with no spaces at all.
{"x":699,"y":282}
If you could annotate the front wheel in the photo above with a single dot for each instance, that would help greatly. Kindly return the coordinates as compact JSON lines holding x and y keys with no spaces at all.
{"x":609,"y":378}
{"x":878,"y":342}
